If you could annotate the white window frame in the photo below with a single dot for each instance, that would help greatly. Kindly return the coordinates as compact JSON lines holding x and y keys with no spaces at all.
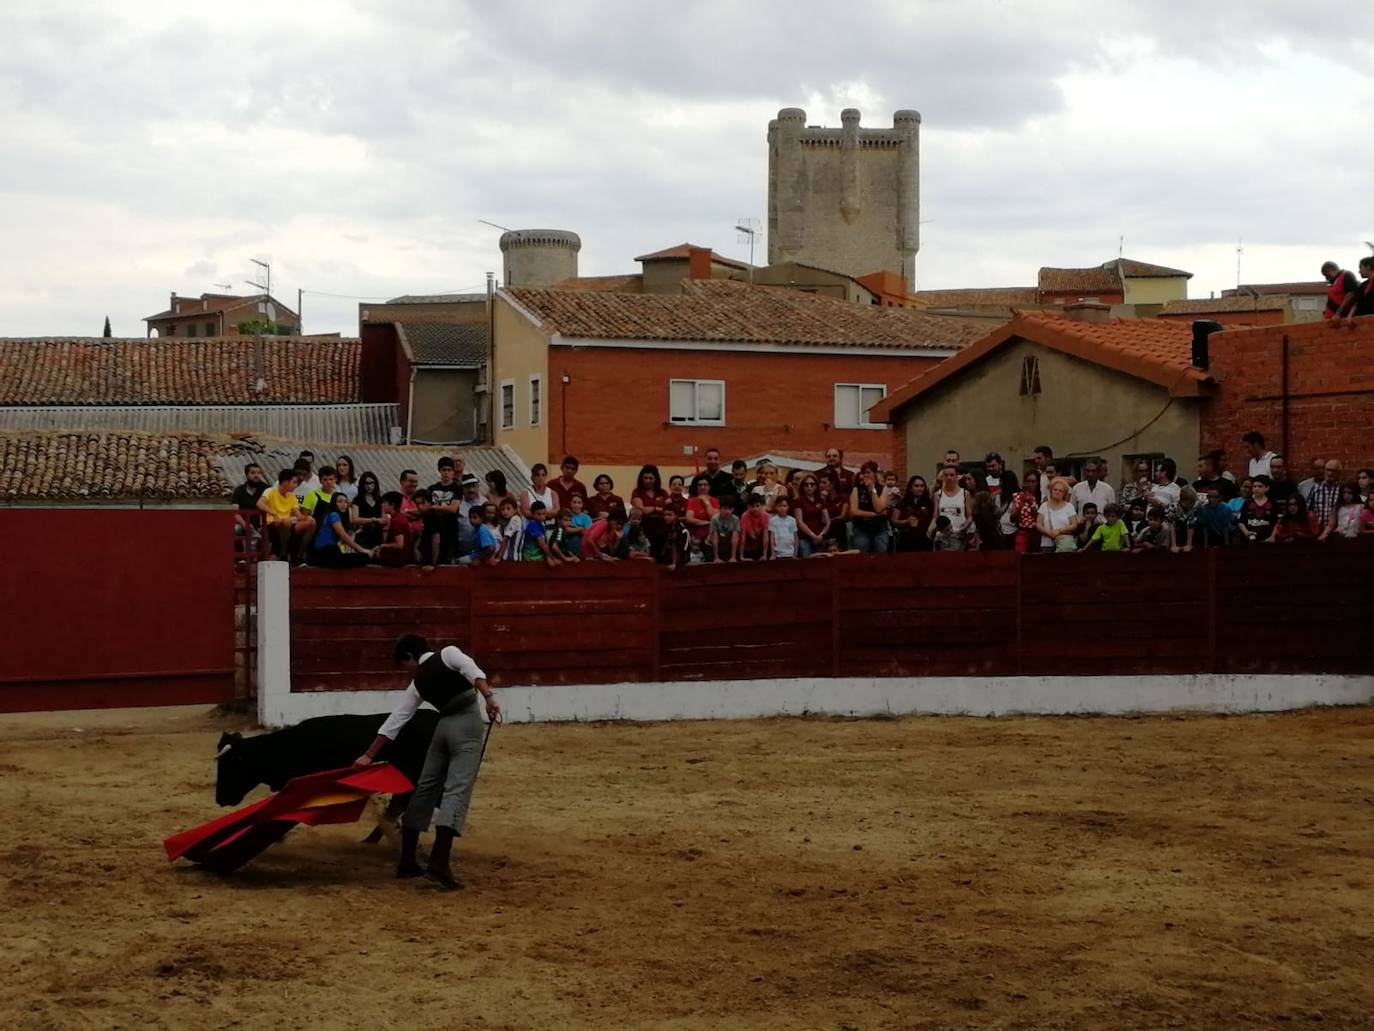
{"x":697,"y":420}
{"x":863,"y":423}
{"x":535,"y":402}
{"x":502,"y":400}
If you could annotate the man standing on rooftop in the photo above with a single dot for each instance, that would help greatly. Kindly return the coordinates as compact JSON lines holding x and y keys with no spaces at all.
{"x":1341,"y":283}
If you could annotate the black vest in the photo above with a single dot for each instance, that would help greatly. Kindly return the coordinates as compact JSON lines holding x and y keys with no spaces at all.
{"x":445,"y":689}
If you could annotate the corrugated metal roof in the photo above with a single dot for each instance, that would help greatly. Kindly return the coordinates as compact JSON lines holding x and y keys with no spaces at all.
{"x":387,"y":462}
{"x":364,"y":423}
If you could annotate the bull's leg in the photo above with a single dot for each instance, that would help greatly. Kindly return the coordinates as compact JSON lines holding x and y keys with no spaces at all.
{"x":387,"y":823}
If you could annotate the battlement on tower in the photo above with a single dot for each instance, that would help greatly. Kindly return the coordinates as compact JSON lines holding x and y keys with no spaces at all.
{"x":845,"y":198}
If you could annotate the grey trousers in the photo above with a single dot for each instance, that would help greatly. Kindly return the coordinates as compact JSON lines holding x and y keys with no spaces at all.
{"x":449,"y":773}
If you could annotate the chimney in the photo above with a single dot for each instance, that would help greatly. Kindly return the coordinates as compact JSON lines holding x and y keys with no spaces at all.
{"x":698,"y":263}
{"x":1202,"y":330}
{"x":1088,"y":311}
{"x":172,"y":304}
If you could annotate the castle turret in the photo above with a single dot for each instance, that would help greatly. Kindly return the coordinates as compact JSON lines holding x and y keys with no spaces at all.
{"x":539,"y":257}
{"x":845,"y":199}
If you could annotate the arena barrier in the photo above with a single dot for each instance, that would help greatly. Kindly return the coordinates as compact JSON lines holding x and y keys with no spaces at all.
{"x":1258,"y":629}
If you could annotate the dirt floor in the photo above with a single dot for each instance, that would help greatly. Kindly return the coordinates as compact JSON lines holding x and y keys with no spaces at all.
{"x":1198,"y":872}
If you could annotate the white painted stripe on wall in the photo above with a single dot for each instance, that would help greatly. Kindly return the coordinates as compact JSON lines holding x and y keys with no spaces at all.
{"x":859,"y":696}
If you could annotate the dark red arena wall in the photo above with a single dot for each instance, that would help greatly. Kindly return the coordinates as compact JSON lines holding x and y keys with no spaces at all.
{"x":112,"y":607}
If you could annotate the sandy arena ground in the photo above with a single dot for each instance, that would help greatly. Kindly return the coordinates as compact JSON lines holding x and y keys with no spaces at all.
{"x":920,"y":873}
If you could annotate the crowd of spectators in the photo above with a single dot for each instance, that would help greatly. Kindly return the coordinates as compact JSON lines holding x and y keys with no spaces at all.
{"x":335,"y":517}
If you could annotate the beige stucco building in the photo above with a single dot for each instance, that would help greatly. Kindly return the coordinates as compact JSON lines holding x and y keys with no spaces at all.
{"x":1117,"y":389}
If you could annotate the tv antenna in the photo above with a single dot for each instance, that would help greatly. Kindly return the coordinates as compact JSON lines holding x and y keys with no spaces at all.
{"x":748,"y":232}
{"x":1240,"y":249}
{"x":504,"y":229}
{"x":224,"y":286}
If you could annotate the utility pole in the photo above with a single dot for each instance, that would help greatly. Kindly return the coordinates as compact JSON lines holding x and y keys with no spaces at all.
{"x":300,"y":312}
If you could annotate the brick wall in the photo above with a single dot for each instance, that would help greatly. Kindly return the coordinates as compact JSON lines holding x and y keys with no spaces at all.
{"x":1330,"y":395}
{"x":614,"y":408}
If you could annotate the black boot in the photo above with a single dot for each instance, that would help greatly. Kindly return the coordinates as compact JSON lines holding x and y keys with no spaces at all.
{"x":409,"y":866}
{"x":438,"y":869}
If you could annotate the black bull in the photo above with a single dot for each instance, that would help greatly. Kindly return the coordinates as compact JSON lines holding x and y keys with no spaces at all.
{"x":322,"y":743}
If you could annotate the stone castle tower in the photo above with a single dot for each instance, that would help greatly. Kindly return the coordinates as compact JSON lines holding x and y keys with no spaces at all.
{"x":539,"y":257}
{"x":845,"y":199}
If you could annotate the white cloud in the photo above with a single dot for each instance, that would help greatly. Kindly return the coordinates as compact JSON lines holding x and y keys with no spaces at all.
{"x":155,"y":145}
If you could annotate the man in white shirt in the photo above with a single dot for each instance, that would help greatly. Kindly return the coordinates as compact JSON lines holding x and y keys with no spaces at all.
{"x":450,"y":681}
{"x":1092,"y":488}
{"x":1260,"y":456}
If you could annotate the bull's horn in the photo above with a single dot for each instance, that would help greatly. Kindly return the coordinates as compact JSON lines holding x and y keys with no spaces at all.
{"x":224,"y":751}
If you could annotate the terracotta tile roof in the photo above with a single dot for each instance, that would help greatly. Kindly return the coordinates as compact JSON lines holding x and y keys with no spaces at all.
{"x":714,"y":310}
{"x":170,"y":370}
{"x":445,"y":343}
{"x":1156,"y":350}
{"x":1144,"y":270}
{"x":682,"y":251}
{"x":628,"y":284}
{"x":1302,"y":289}
{"x":113,"y":466}
{"x":1208,"y":305}
{"x":1100,"y":280}
{"x":214,"y":303}
{"x":438,"y":299}
{"x":1003,"y":296}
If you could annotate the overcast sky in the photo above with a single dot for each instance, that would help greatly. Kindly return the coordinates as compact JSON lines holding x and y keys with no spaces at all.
{"x":151,"y":146}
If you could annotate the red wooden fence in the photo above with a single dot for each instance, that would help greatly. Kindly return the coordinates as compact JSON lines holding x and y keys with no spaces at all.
{"x":115,"y":607}
{"x":1268,"y":609}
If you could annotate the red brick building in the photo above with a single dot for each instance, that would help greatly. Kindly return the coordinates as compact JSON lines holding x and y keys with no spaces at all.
{"x":221,"y":315}
{"x":620,"y":380}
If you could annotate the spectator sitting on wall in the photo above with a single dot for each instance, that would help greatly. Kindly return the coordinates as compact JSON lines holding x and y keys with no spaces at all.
{"x":398,"y":546}
{"x":410,"y":483}
{"x":1111,"y":534}
{"x":1258,"y":515}
{"x":1136,"y":518}
{"x":1361,"y":302}
{"x":1209,"y":475}
{"x":605,"y":500}
{"x":739,"y":484}
{"x":489,"y":535}
{"x":1088,"y":522}
{"x":289,"y":528}
{"x":782,"y":528}
{"x":724,"y":538}
{"x":245,"y":497}
{"x":1341,"y":285}
{"x":912,"y":517}
{"x":469,"y":496}
{"x":468,"y":541}
{"x":563,"y":543}
{"x":320,"y":501}
{"x":634,"y":542}
{"x":496,"y":489}
{"x":1236,"y":503}
{"x":1295,"y":524}
{"x":869,"y":529}
{"x":753,"y":531}
{"x":677,"y":496}
{"x":1216,"y":523}
{"x":579,"y":521}
{"x":538,"y":490}
{"x":512,"y":530}
{"x":348,"y":483}
{"x":1057,"y":519}
{"x":766,"y":483}
{"x":1325,"y":495}
{"x":1318,"y":474}
{"x":1346,"y":517}
{"x":1155,"y":536}
{"x":333,"y":547}
{"x":837,"y":513}
{"x":432,"y":520}
{"x":1025,"y":506}
{"x":1260,"y":456}
{"x":1166,"y":490}
{"x":567,"y":486}
{"x":701,"y":508}
{"x":676,"y":549}
{"x":1183,"y":519}
{"x":306,"y":481}
{"x":535,"y":547}
{"x":1092,"y":488}
{"x":841,"y":479}
{"x":444,"y":498}
{"x":366,"y":517}
{"x":603,"y":539}
{"x":943,"y":536}
{"x":720,"y":480}
{"x":953,"y":501}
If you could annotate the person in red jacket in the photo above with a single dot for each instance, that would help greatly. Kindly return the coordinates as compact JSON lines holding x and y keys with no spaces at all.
{"x":1340,"y":285}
